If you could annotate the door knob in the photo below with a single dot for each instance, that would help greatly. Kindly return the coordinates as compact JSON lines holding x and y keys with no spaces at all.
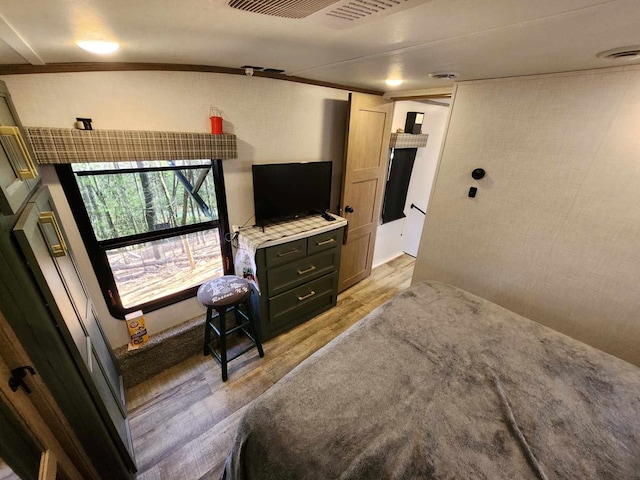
{"x":348,"y":209}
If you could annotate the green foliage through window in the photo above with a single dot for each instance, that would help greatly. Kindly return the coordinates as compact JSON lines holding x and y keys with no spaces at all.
{"x":123,"y":199}
{"x":154,"y":230}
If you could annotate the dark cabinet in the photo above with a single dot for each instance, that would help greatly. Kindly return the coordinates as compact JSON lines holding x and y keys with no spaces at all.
{"x":46,"y":304}
{"x":298,"y":280}
{"x":18,"y":173}
{"x":43,"y":243}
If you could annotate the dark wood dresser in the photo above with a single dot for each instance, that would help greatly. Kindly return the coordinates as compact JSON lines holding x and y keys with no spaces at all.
{"x":298,"y":278}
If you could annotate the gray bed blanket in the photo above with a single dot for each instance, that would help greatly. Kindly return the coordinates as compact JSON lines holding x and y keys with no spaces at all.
{"x":441,"y":384}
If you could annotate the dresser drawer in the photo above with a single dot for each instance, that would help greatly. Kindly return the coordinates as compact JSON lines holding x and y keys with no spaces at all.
{"x":284,"y":277}
{"x":286,"y":252}
{"x":303,"y":302}
{"x":324,"y":241}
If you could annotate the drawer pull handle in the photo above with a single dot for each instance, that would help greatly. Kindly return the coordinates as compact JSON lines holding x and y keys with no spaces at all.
{"x":57,"y":249}
{"x":19,"y":158}
{"x":89,"y":355}
{"x":310,"y":269}
{"x":326,"y":242}
{"x":284,"y":254}
{"x":308,"y":295}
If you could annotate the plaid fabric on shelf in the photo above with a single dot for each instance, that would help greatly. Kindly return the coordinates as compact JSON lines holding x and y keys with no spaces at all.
{"x":67,"y":145}
{"x":251,"y":238}
{"x":407,"y":140}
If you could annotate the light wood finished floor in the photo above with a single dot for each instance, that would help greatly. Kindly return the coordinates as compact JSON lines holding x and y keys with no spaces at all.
{"x":183,"y":420}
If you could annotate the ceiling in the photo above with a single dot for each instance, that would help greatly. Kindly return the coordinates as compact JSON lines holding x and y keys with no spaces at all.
{"x":409,"y":40}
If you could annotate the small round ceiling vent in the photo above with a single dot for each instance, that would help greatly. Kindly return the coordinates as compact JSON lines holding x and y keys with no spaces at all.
{"x":445,"y":75}
{"x":622,"y":53}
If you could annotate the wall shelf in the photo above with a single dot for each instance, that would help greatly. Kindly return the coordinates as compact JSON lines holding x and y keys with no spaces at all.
{"x":408,"y":140}
{"x":68,"y":145}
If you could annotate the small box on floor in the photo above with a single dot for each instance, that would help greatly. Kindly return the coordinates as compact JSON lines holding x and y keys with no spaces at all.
{"x":137,"y":329}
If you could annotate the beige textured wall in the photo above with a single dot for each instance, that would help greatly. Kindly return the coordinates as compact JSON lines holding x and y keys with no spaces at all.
{"x":554,"y":232}
{"x":274,"y":121}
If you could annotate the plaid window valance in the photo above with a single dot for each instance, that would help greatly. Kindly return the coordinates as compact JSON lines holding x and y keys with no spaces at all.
{"x":67,"y":145}
{"x":408,"y":140}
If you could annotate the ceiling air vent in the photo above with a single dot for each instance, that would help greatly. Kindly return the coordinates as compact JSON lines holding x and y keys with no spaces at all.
{"x":282,"y":8}
{"x":353,"y":13}
{"x":359,"y":9}
{"x":444,"y":75}
{"x":623,"y":53}
{"x":331,"y":13}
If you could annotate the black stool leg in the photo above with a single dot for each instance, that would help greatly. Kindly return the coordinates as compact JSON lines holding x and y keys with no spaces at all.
{"x":207,"y":331}
{"x":223,"y":343}
{"x":253,"y":327}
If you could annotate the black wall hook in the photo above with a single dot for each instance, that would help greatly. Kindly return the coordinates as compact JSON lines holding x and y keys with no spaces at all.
{"x":478,"y":173}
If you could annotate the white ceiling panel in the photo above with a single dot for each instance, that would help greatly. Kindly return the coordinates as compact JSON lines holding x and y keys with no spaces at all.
{"x":9,"y":56}
{"x":554,"y":44}
{"x":478,"y":38}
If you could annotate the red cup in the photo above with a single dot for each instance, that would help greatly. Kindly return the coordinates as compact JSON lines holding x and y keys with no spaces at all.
{"x":216,"y":125}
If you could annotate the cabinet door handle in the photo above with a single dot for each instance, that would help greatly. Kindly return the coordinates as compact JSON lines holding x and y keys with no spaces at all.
{"x":57,"y":249}
{"x":308,"y":295}
{"x":27,"y":171}
{"x":326,"y":242}
{"x":310,"y":269}
{"x":284,"y":254}
{"x":16,"y":380}
{"x":89,"y":355}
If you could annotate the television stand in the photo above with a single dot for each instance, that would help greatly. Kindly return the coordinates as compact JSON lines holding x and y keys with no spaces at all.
{"x":297,"y":273}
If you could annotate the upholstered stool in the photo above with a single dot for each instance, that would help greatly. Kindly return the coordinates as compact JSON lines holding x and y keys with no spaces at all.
{"x":227,"y":294}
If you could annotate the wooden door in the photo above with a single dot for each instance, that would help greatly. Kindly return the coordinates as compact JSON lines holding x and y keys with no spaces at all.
{"x":366,"y":159}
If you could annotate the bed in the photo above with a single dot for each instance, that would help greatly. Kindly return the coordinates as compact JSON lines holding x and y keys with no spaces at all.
{"x":440,"y":384}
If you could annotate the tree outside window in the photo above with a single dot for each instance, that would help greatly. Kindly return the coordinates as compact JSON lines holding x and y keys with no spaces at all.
{"x":154,"y":230}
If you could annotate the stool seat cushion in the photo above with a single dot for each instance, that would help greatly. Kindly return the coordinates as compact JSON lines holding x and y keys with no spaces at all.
{"x":223,"y":291}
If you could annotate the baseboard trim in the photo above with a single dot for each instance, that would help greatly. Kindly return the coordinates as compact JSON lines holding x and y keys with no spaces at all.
{"x":387,"y":260}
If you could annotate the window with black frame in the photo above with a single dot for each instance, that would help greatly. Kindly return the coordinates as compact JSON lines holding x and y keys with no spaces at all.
{"x":154,"y":230}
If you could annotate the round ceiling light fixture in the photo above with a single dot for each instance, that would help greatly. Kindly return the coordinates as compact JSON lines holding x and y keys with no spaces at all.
{"x":622,"y":53}
{"x":98,"y":46}
{"x":393,"y":82}
{"x":444,"y":75}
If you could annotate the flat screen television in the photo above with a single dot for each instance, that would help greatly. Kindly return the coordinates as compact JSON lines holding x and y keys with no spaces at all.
{"x":283,"y":191}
